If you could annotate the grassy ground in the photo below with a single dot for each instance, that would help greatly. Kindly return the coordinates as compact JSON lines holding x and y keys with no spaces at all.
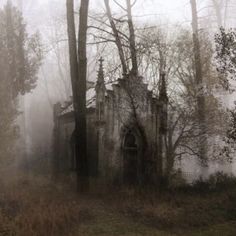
{"x":39,"y":208}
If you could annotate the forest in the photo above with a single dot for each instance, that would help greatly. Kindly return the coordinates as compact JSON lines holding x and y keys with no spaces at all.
{"x":118,"y":117}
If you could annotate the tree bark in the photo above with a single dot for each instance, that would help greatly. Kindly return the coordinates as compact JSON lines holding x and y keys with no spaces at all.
{"x":201,"y":103}
{"x":217,"y":8}
{"x":72,"y":50}
{"x":81,"y":126}
{"x":117,"y":37}
{"x":132,"y":39}
{"x":78,"y":70}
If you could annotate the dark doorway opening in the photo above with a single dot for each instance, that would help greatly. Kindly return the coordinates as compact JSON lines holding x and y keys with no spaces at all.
{"x":130,"y":149}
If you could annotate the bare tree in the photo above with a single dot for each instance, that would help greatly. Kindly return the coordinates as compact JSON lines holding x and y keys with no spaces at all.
{"x":117,"y":37}
{"x":132,"y":42}
{"x":221,"y":8}
{"x":131,"y":49}
{"x":78,"y":69}
{"x":201,"y":104}
{"x":218,"y":8}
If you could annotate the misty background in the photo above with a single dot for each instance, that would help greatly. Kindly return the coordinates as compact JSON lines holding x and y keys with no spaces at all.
{"x":48,"y":17}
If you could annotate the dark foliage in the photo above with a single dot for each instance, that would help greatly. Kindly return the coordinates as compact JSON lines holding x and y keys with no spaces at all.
{"x":226,"y":55}
{"x":19,"y":63}
{"x":215,"y":183}
{"x":231,"y":133}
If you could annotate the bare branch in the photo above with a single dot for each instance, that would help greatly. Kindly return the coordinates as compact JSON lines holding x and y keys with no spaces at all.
{"x":133,"y":3}
{"x":118,"y":4}
{"x":116,"y":36}
{"x":101,"y":29}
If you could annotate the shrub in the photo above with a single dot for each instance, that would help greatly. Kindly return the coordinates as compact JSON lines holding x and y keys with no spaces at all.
{"x":216,"y":182}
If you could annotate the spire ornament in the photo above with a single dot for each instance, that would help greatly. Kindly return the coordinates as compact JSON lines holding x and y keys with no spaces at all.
{"x":163,"y":90}
{"x":100,"y":77}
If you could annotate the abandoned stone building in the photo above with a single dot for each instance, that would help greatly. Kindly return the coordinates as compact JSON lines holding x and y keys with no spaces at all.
{"x":126,"y":125}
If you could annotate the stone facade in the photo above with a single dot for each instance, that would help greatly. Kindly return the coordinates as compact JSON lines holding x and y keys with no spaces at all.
{"x":125,"y":129}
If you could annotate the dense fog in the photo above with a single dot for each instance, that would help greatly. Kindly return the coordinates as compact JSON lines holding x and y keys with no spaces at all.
{"x":53,"y":85}
{"x":117,"y":117}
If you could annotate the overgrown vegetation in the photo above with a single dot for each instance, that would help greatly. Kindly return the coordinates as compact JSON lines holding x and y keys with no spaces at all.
{"x":19,"y":64}
{"x":38,"y":207}
{"x":35,"y":206}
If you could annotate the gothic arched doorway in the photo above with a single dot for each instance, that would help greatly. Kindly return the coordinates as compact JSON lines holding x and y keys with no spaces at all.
{"x":131,"y":149}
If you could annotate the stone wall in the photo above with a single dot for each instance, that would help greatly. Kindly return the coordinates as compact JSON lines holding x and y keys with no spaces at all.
{"x":123,"y":127}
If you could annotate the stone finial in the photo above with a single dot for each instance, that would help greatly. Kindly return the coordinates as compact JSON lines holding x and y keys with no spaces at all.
{"x":101,"y":60}
{"x":100,"y":77}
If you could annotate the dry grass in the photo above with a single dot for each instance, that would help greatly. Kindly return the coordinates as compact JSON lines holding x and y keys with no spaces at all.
{"x":179,"y":213}
{"x":40,"y":208}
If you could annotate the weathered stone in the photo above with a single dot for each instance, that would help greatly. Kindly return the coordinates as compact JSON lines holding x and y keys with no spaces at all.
{"x":123,"y":126}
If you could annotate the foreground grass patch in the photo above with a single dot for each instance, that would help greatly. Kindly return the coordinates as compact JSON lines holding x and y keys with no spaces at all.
{"x":40,"y":208}
{"x":226,"y":229}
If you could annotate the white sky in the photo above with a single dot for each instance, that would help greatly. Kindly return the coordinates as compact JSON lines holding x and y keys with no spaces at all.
{"x":38,"y":13}
{"x":173,"y":10}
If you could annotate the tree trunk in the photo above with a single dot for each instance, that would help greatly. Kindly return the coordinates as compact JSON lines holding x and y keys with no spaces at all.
{"x":217,"y":7}
{"x":20,"y":5}
{"x":78,"y":70}
{"x":226,"y":13}
{"x":132,"y":39}
{"x":117,"y":37}
{"x":81,"y":124}
{"x":72,"y":50}
{"x":201,"y":110}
